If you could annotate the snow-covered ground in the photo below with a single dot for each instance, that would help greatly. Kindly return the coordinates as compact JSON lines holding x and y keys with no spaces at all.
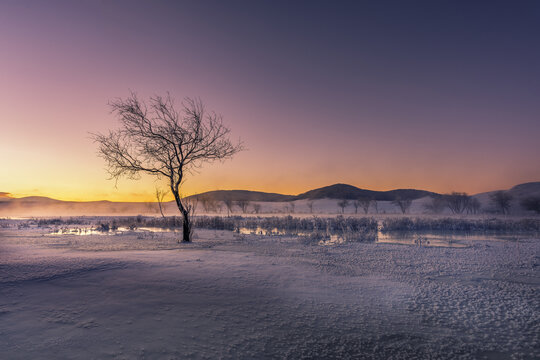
{"x":232,"y":296}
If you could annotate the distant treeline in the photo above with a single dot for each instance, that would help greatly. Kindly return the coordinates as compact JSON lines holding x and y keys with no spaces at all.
{"x":461,"y":225}
{"x":294,"y":225}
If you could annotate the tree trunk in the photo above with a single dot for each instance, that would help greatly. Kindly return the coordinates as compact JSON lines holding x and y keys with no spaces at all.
{"x":186,"y":228}
{"x":161,"y":209}
{"x":186,"y":221}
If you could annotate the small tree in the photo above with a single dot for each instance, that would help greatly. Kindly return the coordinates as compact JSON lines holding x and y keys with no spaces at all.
{"x":243,"y":205}
{"x":310,"y":206}
{"x":436,"y":205}
{"x":257,"y":208}
{"x":206,"y":203}
{"x":291,"y":207}
{"x":403,"y":204}
{"x":531,"y":204}
{"x":501,"y":200}
{"x":473,"y":207}
{"x":457,"y":202}
{"x":356,"y":205}
{"x":343,"y":204}
{"x":213,"y":205}
{"x":375,"y":205}
{"x":218,"y":206}
{"x":159,"y":140}
{"x":229,"y":205}
{"x":160,"y":194}
{"x":209,"y":204}
{"x":364,"y":204}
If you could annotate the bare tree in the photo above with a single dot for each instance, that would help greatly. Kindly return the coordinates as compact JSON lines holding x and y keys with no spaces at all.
{"x":213,"y":205}
{"x":531,"y":204}
{"x":375,"y":205}
{"x":364,"y":204}
{"x":229,"y":205}
{"x":257,"y":208}
{"x":150,"y":207}
{"x":502,"y":200}
{"x":343,"y":204}
{"x":158,"y":140}
{"x":403,"y":204}
{"x":457,"y":202}
{"x":436,"y":205}
{"x":473,"y":206}
{"x":291,"y":207}
{"x":243,"y":205}
{"x":356,"y":205}
{"x":209,"y":204}
{"x":219,"y":206}
{"x":205,"y":202}
{"x":310,"y":206}
{"x":160,"y":194}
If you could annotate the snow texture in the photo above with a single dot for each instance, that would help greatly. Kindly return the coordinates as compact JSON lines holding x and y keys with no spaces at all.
{"x":230,"y":296}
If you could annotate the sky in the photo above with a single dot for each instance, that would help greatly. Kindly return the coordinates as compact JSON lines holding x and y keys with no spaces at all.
{"x":435,"y":95}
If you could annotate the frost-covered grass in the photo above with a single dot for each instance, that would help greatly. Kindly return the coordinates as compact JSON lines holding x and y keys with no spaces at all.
{"x":461,"y":224}
{"x":312,"y":229}
{"x":292,"y":224}
{"x":316,"y":228}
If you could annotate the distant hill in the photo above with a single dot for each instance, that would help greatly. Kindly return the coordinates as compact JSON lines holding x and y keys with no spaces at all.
{"x":44,"y":206}
{"x":344,"y":191}
{"x":526,"y":189}
{"x":518,"y":192}
{"x":336,"y":191}
{"x":246,"y":195}
{"x":35,"y":200}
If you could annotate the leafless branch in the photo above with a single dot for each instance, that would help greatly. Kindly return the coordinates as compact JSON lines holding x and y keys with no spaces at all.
{"x":159,"y":140}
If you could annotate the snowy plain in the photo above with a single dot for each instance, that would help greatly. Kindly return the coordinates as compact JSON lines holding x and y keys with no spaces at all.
{"x":230,"y":296}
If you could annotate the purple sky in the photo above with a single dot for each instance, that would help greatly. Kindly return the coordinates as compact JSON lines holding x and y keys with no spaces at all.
{"x":439,"y":95}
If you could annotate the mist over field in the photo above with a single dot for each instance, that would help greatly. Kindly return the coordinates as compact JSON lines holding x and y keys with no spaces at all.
{"x":323,"y":201}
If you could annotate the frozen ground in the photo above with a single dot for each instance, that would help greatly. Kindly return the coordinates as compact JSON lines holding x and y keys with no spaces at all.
{"x":231,"y":296}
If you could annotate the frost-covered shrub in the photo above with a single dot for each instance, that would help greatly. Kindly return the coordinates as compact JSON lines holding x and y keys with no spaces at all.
{"x":134,"y":222}
{"x":462,"y":225}
{"x":103,"y":227}
{"x":216,"y":222}
{"x":62,"y":221}
{"x":351,"y":229}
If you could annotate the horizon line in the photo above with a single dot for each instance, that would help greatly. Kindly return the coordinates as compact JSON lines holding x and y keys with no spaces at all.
{"x":7,"y":195}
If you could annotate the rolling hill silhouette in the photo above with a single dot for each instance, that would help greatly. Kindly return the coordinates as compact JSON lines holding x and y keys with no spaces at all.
{"x":44,"y":206}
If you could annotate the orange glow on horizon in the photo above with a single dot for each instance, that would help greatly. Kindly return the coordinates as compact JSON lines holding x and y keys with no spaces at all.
{"x":143,"y":191}
{"x":376,"y":117}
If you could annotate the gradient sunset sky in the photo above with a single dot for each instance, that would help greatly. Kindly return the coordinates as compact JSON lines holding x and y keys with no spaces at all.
{"x":437,"y":95}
